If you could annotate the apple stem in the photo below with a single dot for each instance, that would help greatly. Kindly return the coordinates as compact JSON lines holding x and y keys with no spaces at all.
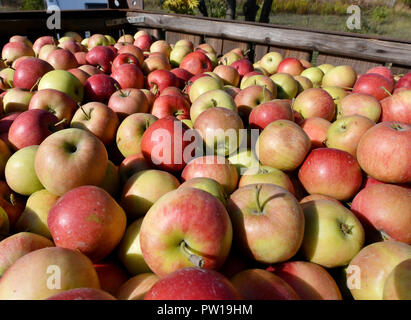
{"x":35,"y":85}
{"x":385,"y":89}
{"x":195,"y":259}
{"x":214,"y":102}
{"x":84,"y":111}
{"x":257,"y":198}
{"x":119,"y":89}
{"x":64,"y":120}
{"x":246,"y":52}
{"x":155,"y":89}
{"x":12,"y":199}
{"x":185,"y":87}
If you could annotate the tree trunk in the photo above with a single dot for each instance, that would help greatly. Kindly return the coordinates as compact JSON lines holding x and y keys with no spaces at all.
{"x":265,"y":11}
{"x":203,"y":8}
{"x":231,"y":8}
{"x":250,"y":9}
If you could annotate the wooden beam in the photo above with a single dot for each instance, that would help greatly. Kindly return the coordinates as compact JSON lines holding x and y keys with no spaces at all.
{"x":339,"y":44}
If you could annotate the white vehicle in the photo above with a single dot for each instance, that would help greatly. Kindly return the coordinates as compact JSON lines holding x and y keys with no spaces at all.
{"x":77,"y":4}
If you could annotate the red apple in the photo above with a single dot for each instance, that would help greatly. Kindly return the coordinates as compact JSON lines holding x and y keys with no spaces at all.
{"x":384,"y":152}
{"x":316,"y":129}
{"x":397,"y":107}
{"x":11,"y":202}
{"x":214,"y":167}
{"x":128,"y":101}
{"x":40,"y":42}
{"x":383,"y":71}
{"x":161,"y":79}
{"x":128,"y":76}
{"x":249,"y":98}
{"x":265,"y":113}
{"x":204,"y":285}
{"x":315,"y":102}
{"x":124,"y":58}
{"x":96,"y":228}
{"x":28,"y":73}
{"x":404,"y":82}
{"x":268,"y":222}
{"x":309,"y":280}
{"x":182,"y":76}
{"x":243,"y":66}
{"x":81,"y":75}
{"x":291,"y":66}
{"x":111,"y":276}
{"x":7,"y":120}
{"x":374,"y":84}
{"x":282,"y":145}
{"x":62,"y":59}
{"x":70,"y":158}
{"x":168,"y":105}
{"x":54,"y":101}
{"x":164,"y":144}
{"x":196,"y":62}
{"x":143,"y":42}
{"x":32,"y":127}
{"x":175,"y":234}
{"x":259,"y":284}
{"x":385,"y":212}
{"x":156,"y":62}
{"x":81,"y":58}
{"x":14,"y":50}
{"x":98,"y":119}
{"x":331,"y":172}
{"x":100,"y":87}
{"x":101,"y":57}
{"x":132,"y":49}
{"x":131,"y":165}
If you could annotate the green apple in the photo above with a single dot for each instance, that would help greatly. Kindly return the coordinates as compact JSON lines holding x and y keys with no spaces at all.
{"x":303,"y":83}
{"x":341,"y":76}
{"x":63,"y":81}
{"x":337,"y":94}
{"x":398,"y":284}
{"x":203,"y":85}
{"x":270,"y":61}
{"x":209,"y":185}
{"x":34,"y":216}
{"x":84,"y":42}
{"x":229,"y":58}
{"x":211,"y":99}
{"x":177,"y":54}
{"x":143,"y":189}
{"x":20,"y":174}
{"x":6,"y":78}
{"x":216,"y":77}
{"x":287,"y":86}
{"x":265,"y":174}
{"x":333,"y":235}
{"x":243,"y":160}
{"x":66,"y":38}
{"x":129,"y":250}
{"x":77,"y":37}
{"x":346,"y":132}
{"x":326,"y":67}
{"x":372,"y":266}
{"x":213,"y":58}
{"x":260,"y":80}
{"x":110,"y":39}
{"x":17,"y":100}
{"x":188,"y":123}
{"x":314,"y":74}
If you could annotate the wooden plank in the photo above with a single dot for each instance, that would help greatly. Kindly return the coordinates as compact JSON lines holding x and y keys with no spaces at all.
{"x":291,"y":53}
{"x":229,"y":45}
{"x":173,"y":37}
{"x":360,"y":66}
{"x":400,"y":70}
{"x":260,"y":51}
{"x":216,"y":43}
{"x":369,"y":49}
{"x":154,"y":33}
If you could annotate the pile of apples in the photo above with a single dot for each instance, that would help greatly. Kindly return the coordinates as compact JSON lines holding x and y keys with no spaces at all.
{"x":279,"y":180}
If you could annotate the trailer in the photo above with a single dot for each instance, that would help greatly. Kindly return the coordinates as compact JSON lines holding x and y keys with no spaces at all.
{"x":360,"y":51}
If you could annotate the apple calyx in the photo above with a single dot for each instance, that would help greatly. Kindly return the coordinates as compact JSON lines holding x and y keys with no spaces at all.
{"x":397,"y":127}
{"x":194,"y":258}
{"x":346,"y":229}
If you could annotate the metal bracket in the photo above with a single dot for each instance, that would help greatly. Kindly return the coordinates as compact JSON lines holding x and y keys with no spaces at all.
{"x":121,"y":21}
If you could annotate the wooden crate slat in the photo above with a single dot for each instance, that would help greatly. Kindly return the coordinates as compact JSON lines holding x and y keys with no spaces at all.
{"x":291,"y":53}
{"x":334,"y":44}
{"x":400,"y":70}
{"x":360,"y":66}
{"x":173,"y":37}
{"x":216,"y":43}
{"x":260,"y":51}
{"x":229,"y":45}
